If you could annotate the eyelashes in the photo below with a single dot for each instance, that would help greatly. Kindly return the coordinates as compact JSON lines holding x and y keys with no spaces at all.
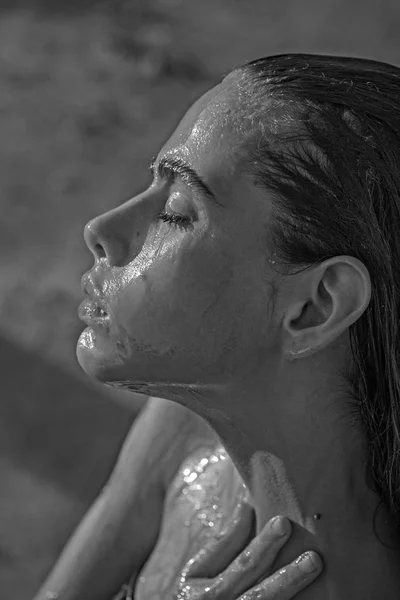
{"x":177,"y":220}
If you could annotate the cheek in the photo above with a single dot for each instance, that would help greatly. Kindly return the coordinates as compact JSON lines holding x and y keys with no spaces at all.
{"x":177,"y":296}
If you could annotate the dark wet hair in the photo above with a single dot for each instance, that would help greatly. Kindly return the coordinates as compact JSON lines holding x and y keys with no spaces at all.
{"x":336,"y":179}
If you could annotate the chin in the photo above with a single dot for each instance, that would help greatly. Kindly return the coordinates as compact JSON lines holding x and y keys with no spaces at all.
{"x":95,"y":356}
{"x":109,"y":362}
{"x":134,"y":366}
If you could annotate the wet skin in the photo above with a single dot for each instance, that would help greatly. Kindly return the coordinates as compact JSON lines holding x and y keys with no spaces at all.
{"x":181,"y":299}
{"x":205,"y":499}
{"x":198,"y":313}
{"x":187,"y":303}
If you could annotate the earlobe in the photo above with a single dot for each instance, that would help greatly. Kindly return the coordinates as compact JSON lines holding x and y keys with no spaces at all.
{"x":330,"y":297}
{"x":294,"y":353}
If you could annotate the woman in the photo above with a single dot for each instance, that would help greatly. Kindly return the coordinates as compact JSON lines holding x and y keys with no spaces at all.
{"x":256,"y":283}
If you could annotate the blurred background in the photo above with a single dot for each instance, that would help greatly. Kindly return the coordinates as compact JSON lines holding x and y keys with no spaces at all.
{"x":88,"y":93}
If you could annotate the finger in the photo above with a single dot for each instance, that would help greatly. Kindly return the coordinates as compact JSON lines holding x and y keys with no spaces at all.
{"x":211,"y":560}
{"x":288,"y":581}
{"x":256,"y":560}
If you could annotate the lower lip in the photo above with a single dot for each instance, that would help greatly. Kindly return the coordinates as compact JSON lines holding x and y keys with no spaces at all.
{"x":88,"y":312}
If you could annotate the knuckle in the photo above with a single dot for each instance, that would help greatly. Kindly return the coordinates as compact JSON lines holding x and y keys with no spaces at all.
{"x":246,"y":561}
{"x":256,"y":593}
{"x":285,"y":577}
{"x":197,"y":591}
{"x":221,"y":588}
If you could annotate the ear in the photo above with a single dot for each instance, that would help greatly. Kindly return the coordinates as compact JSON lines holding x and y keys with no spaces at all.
{"x":325,"y":300}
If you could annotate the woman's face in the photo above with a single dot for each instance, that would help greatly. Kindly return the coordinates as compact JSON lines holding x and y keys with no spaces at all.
{"x":186,"y":294}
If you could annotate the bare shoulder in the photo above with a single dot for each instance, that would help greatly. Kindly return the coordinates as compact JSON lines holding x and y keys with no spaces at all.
{"x":159,"y":440}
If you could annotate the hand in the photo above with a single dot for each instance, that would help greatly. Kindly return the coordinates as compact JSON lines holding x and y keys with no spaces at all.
{"x":249,"y":576}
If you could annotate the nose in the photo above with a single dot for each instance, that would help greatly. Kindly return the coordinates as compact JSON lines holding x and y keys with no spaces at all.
{"x":116,"y":235}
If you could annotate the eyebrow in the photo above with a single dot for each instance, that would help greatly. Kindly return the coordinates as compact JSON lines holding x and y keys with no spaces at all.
{"x":171,"y":166}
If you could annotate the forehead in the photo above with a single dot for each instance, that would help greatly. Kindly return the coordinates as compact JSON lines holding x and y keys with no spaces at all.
{"x":214,"y":137}
{"x":212,"y":134}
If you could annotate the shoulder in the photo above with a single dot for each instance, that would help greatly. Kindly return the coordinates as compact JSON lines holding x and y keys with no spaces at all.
{"x":161,"y":437}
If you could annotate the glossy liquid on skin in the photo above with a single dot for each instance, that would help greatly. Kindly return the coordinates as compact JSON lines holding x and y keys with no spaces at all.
{"x":206,"y":496}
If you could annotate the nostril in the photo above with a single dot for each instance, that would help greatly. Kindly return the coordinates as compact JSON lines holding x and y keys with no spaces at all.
{"x":105,"y":241}
{"x":99,"y":251}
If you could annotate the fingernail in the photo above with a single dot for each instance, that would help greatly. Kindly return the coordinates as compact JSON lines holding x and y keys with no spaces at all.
{"x":308,"y":562}
{"x":280,"y":525}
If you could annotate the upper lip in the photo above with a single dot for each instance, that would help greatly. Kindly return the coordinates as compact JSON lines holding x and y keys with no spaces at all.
{"x":92,"y":291}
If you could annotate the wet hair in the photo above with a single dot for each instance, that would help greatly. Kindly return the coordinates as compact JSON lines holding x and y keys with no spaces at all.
{"x":330,"y":154}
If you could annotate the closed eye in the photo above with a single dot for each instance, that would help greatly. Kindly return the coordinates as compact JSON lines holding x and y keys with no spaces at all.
{"x":175,"y":219}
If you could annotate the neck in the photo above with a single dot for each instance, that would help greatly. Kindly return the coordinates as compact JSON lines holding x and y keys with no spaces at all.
{"x":299,"y":457}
